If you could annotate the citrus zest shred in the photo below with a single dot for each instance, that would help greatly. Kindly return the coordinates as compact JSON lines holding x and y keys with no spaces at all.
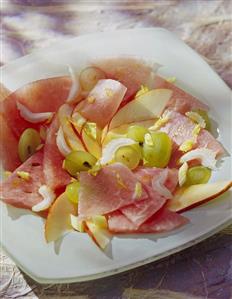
{"x":138,"y":190}
{"x":24,"y":175}
{"x":171,"y":79}
{"x":120,"y":181}
{"x":197,"y":118}
{"x":143,"y":89}
{"x":187,"y":145}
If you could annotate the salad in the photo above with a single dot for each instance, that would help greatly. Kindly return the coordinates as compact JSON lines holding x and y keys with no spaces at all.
{"x":114,"y":149}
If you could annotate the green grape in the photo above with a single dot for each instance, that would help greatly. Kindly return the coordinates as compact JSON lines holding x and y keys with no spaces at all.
{"x":197,"y":175}
{"x":137,"y":133}
{"x":157,"y":154}
{"x":205,"y":116}
{"x":72,"y":191}
{"x":128,"y":155}
{"x":78,"y":161}
{"x":28,"y":143}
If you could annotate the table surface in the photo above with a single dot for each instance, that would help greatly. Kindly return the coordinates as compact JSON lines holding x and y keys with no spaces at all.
{"x":202,"y":271}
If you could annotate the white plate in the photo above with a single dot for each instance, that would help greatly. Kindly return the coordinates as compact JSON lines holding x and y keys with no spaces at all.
{"x":77,"y":258}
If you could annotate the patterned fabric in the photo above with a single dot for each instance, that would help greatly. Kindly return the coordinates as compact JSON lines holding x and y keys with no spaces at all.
{"x":204,"y":270}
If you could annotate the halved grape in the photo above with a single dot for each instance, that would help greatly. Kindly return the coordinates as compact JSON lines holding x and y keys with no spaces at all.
{"x":206,"y":118}
{"x":157,"y":154}
{"x":137,"y":133}
{"x":89,"y":77}
{"x":72,"y":191}
{"x":128,"y":155}
{"x":78,"y":161}
{"x":28,"y":143}
{"x":197,"y":175}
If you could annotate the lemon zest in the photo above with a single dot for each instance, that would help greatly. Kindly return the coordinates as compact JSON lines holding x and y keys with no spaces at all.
{"x":120,"y":181}
{"x":143,"y":89}
{"x":187,"y":145}
{"x":161,"y":121}
{"x":109,"y":92}
{"x":6,"y":174}
{"x":196,"y":130}
{"x":91,"y":130}
{"x":91,"y":99}
{"x":138,"y":190}
{"x":171,"y":79}
{"x":197,"y":118}
{"x":24,"y":175}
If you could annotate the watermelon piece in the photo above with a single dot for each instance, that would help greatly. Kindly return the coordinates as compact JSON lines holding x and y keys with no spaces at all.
{"x":146,"y":174}
{"x":180,"y":128}
{"x":162,"y":221}
{"x":112,"y":188}
{"x":23,"y":193}
{"x":140,"y":211}
{"x":131,"y":72}
{"x":102,"y":102}
{"x":8,"y":147}
{"x":181,"y":101}
{"x":45,"y":95}
{"x":55,"y":176}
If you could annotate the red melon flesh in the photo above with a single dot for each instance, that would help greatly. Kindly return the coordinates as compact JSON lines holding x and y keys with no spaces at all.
{"x":180,"y":101}
{"x":8,"y":147}
{"x":111,"y":189}
{"x":102,"y":102}
{"x":162,"y":221}
{"x":140,"y":211}
{"x":55,"y":175}
{"x":129,"y":71}
{"x":45,"y":95}
{"x":180,"y":128}
{"x":21,"y":193}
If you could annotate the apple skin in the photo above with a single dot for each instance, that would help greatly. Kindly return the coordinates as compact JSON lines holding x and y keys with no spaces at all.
{"x":58,"y":220}
{"x":180,"y":204}
{"x":147,"y":106}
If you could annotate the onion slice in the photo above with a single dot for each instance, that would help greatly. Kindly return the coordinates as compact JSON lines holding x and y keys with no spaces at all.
{"x":75,"y":88}
{"x":109,"y":150}
{"x":33,"y":117}
{"x":48,"y":198}
{"x":182,"y":174}
{"x":158,"y":185}
{"x":61,"y":143}
{"x":205,"y":155}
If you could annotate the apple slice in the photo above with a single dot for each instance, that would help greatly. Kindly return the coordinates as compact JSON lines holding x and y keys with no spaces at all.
{"x":147,"y":106}
{"x":99,"y":235}
{"x":91,"y":144}
{"x":71,"y":137}
{"x":58,"y":220}
{"x":189,"y":197}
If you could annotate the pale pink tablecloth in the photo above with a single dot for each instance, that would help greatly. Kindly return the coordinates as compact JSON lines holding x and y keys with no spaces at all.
{"x":203,"y":271}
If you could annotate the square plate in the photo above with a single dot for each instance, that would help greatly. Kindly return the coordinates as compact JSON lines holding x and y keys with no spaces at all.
{"x":76,"y":258}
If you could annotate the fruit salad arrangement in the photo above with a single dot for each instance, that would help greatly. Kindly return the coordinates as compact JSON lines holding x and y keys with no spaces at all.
{"x":113,"y":149}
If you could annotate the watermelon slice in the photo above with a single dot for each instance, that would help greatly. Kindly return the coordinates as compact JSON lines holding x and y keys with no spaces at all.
{"x":55,"y":175}
{"x":8,"y":147}
{"x":102,"y":102}
{"x":112,"y":188}
{"x":180,"y":128}
{"x":45,"y":95}
{"x":20,"y":192}
{"x":162,"y":221}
